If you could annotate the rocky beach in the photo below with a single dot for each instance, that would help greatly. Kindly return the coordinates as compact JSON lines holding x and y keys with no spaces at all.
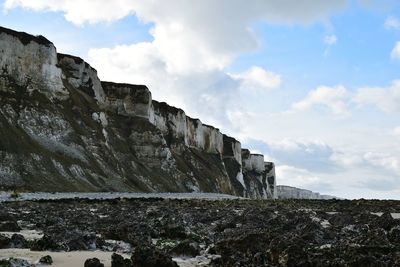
{"x":203,"y":232}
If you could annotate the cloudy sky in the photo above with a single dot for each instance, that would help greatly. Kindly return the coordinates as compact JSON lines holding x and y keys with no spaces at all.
{"x":314,"y":85}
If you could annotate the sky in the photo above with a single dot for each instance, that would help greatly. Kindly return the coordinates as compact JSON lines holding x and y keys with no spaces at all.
{"x":313,"y":85}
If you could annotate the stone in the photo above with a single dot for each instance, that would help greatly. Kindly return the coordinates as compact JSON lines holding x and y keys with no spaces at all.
{"x":82,"y":76}
{"x":31,"y":61}
{"x":235,"y":232}
{"x":15,"y":262}
{"x":46,"y":260}
{"x":127,"y":99}
{"x":290,"y":192}
{"x":94,"y":262}
{"x":186,"y":248}
{"x":151,"y":257}
{"x":4,"y":241}
{"x":9,"y":226}
{"x":18,"y":241}
{"x":119,"y":261}
{"x":47,"y":242}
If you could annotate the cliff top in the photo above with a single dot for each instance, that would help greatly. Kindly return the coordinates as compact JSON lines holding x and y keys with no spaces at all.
{"x":128,"y":85}
{"x":76,"y":59}
{"x":26,"y":38}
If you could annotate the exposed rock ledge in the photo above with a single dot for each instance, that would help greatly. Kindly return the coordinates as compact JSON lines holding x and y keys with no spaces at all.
{"x":62,"y":129}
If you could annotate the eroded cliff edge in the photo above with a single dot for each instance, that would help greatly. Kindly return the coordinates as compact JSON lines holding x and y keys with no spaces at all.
{"x":62,"y":129}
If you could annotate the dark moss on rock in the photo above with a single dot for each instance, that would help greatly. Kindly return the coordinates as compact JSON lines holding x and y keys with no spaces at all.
{"x":76,"y":59}
{"x":164,"y":108}
{"x":139,"y":93}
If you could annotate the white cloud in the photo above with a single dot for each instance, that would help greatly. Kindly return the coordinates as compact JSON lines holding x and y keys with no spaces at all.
{"x":194,"y":42}
{"x":78,"y":11}
{"x":311,"y":155}
{"x":127,"y":62}
{"x":383,"y":160}
{"x":386,"y":99}
{"x":330,"y":39}
{"x":192,"y":34}
{"x":333,"y":98}
{"x":370,"y":171}
{"x":380,"y":161}
{"x":93,"y":11}
{"x":186,"y":61}
{"x":396,"y":132}
{"x":258,"y":78}
{"x":347,"y":159}
{"x":392,"y":23}
{"x":211,"y":94}
{"x":395,"y":54}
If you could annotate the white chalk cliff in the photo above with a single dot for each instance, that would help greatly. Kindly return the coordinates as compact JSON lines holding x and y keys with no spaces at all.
{"x":62,"y":129}
{"x":290,"y":192}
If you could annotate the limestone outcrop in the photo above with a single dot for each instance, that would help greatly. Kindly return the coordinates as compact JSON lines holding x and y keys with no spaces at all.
{"x":29,"y":61}
{"x":289,"y":192}
{"x":62,"y":129}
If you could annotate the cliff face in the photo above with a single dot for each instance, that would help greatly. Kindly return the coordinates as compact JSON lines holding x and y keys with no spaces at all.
{"x":62,"y":129}
{"x":289,"y":192}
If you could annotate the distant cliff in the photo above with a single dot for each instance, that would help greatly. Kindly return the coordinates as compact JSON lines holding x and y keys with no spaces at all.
{"x":62,"y":129}
{"x":289,"y":192}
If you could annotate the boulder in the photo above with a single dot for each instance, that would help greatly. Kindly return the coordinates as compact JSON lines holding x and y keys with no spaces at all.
{"x":146,"y":256}
{"x":94,"y":262}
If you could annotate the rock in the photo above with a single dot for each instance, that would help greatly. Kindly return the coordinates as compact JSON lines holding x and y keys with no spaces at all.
{"x":151,"y":257}
{"x":18,"y":241}
{"x":227,"y":232}
{"x":9,"y":226}
{"x":119,"y":261}
{"x":15,"y":262}
{"x":269,"y":180}
{"x":128,"y":100}
{"x":30,"y":60}
{"x":4,"y":241}
{"x":232,"y":157}
{"x":394,"y":235}
{"x":174,"y":231}
{"x":79,"y":240}
{"x":252,"y":162}
{"x":82,"y":76}
{"x":186,"y":248}
{"x":47,"y":242}
{"x":94,"y":262}
{"x":65,"y":130}
{"x":341,"y":220}
{"x":47,"y":260}
{"x":289,"y":192}
{"x":68,"y":240}
{"x":5,"y":263}
{"x":386,"y":221}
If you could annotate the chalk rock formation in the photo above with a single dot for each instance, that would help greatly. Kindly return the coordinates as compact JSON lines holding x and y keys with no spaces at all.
{"x":62,"y":129}
{"x":289,"y":192}
{"x":81,"y":76}
{"x":30,"y":62}
{"x":256,"y":176}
